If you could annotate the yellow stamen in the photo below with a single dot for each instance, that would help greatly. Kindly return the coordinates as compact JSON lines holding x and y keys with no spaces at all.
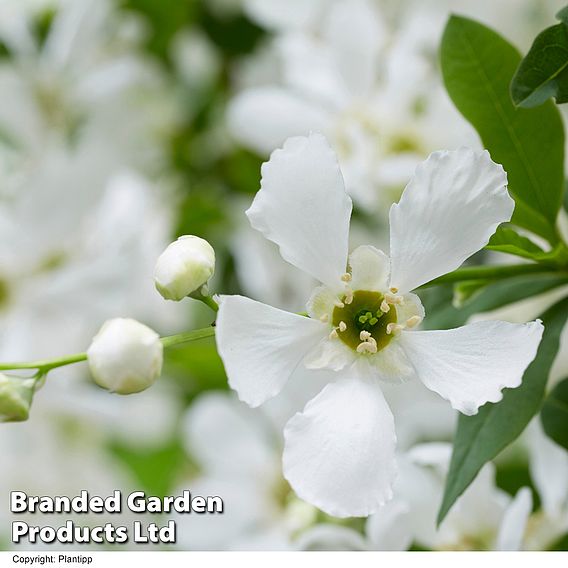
{"x":413,"y":321}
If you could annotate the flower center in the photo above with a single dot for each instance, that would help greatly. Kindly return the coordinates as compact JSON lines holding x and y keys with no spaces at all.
{"x":363,"y":323}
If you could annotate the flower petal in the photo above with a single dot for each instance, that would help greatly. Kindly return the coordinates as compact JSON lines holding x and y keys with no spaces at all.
{"x":448,"y":211}
{"x":339,"y":452}
{"x":310,"y":70}
{"x":244,"y":509}
{"x":389,"y":528}
{"x":264,"y":117}
{"x":392,"y":364}
{"x":218,"y":430}
{"x":514,"y":521}
{"x":369,"y":268}
{"x":321,"y":303}
{"x":330,"y":354}
{"x":411,"y":306}
{"x":261,"y":346}
{"x":355,"y":33}
{"x":303,"y":208}
{"x":470,"y":365}
{"x":476,"y":514}
{"x":548,"y":467}
{"x":283,"y":16}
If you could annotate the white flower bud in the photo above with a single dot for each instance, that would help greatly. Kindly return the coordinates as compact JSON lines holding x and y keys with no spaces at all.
{"x":125,"y":356}
{"x":15,"y":398}
{"x":184,"y":267}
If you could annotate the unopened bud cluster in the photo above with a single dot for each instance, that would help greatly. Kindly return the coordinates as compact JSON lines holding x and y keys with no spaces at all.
{"x":126,"y":356}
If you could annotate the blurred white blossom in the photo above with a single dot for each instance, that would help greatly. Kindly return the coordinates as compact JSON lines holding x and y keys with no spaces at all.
{"x":237,"y":451}
{"x":549,"y":471}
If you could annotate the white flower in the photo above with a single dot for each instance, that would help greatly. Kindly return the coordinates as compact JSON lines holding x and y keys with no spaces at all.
{"x":16,"y":395}
{"x":339,"y":452}
{"x":125,"y":356}
{"x":184,"y":267}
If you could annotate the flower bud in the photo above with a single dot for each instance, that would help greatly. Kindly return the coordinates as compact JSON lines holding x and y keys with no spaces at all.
{"x":15,"y":398}
{"x":184,"y":267}
{"x":125,"y":356}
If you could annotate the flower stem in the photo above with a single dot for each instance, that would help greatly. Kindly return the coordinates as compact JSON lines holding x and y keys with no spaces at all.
{"x":489,"y":273}
{"x":208,"y":300}
{"x":44,"y":366}
{"x":203,"y":296}
{"x":188,"y":336}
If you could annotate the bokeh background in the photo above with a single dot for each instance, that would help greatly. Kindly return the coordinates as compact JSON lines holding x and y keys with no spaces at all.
{"x":126,"y":123}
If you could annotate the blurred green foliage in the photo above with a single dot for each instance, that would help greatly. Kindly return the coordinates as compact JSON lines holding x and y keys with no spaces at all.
{"x":156,"y":471}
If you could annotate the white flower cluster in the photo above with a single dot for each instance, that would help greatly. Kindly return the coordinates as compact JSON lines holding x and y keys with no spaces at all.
{"x":346,"y":393}
{"x":126,"y":356}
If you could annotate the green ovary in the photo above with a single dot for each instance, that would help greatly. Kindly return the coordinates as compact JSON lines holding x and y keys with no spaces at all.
{"x":364,"y":314}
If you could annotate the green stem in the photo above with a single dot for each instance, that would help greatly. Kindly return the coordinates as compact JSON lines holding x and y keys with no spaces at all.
{"x":208,"y":300}
{"x":187,"y":336}
{"x":489,"y":273}
{"x":44,"y":366}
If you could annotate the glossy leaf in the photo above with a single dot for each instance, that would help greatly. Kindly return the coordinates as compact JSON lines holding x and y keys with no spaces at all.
{"x":510,"y":242}
{"x":442,"y":313}
{"x":477,"y":65}
{"x":543,"y":73}
{"x":480,"y":438}
{"x":554,"y":414}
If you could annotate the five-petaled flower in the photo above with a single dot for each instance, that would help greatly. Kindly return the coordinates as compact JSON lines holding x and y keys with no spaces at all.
{"x":363,"y":319}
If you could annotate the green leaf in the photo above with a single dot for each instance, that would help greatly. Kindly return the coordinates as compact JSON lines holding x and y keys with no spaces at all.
{"x":467,"y":290}
{"x":477,"y":66}
{"x":510,"y":242}
{"x":543,"y":73}
{"x":441,"y":314}
{"x":480,"y":438}
{"x":563,"y":15}
{"x":554,"y":414}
